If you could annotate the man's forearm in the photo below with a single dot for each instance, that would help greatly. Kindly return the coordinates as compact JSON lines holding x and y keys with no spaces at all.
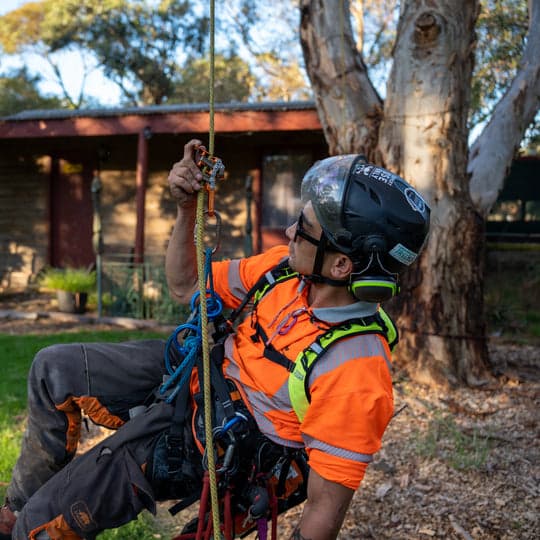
{"x":320,"y":524}
{"x":324,"y":510}
{"x":180,"y":261}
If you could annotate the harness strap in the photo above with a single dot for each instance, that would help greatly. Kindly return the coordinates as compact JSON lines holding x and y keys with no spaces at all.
{"x":270,"y":351}
{"x":362,"y":328}
{"x":217,"y":380}
{"x":175,"y":437}
{"x":267,"y":279}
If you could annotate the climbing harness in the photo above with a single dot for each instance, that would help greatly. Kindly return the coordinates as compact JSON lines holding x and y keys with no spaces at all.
{"x":254,"y":474}
{"x":298,"y":384}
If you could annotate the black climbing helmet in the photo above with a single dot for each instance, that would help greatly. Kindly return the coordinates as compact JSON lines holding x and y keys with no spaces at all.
{"x":368,"y":213}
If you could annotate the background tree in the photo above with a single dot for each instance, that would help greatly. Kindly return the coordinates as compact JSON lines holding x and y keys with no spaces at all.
{"x":233,"y":80}
{"x":156,"y":51}
{"x":135,"y":42}
{"x":421,"y":131}
{"x":21,"y":33}
{"x":19,"y":92}
{"x":267,"y":36}
{"x":500,"y":29}
{"x":152,"y":50}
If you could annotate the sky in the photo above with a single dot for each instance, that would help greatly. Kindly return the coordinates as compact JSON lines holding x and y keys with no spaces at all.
{"x":96,"y":85}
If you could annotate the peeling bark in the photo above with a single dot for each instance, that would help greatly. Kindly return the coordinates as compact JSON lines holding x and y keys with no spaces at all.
{"x":349,"y":107}
{"x":492,"y":153}
{"x":424,"y":137}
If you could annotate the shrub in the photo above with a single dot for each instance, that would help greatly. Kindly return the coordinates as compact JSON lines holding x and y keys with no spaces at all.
{"x":75,"y":280}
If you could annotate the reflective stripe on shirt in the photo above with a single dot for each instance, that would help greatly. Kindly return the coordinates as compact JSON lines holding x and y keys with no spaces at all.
{"x":335,"y":451}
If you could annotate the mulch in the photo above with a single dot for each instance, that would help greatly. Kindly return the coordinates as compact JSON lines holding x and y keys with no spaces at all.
{"x":454,"y":465}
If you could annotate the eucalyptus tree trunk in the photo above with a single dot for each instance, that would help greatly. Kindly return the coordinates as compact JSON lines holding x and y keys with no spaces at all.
{"x":424,"y":137}
{"x":420,"y":132}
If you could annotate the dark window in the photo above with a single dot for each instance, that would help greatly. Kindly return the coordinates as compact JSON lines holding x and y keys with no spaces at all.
{"x":282,"y":176}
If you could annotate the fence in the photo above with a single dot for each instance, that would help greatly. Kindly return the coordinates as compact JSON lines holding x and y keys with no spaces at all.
{"x":138,"y":290}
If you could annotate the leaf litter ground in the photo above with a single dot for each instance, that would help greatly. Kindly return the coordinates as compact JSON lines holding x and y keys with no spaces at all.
{"x":462,"y":464}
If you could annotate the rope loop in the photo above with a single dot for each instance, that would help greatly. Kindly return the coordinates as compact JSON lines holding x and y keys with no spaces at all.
{"x":186,"y":339}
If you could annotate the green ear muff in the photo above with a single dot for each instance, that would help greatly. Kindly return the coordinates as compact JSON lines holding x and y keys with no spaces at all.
{"x":373,"y":288}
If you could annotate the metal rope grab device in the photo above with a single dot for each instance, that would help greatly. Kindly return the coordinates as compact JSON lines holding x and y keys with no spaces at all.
{"x":212,"y":169}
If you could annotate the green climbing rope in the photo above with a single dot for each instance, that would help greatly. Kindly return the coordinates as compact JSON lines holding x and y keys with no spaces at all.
{"x":201,"y":204}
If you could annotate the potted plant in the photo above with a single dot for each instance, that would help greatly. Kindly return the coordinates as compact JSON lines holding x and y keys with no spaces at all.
{"x":72,"y":286}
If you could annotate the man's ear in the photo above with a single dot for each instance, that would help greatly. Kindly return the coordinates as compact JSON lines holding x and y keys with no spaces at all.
{"x":342,"y":267}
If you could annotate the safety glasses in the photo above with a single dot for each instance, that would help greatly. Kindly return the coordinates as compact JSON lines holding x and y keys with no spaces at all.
{"x":300,"y":231}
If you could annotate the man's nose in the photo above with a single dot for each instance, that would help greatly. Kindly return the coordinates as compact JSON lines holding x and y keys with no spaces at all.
{"x":290,"y":231}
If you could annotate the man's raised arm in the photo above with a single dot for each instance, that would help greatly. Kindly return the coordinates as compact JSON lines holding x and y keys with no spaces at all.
{"x":180,"y":262}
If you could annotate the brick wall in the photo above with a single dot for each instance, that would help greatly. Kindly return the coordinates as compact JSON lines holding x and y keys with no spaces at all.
{"x":24,"y":188}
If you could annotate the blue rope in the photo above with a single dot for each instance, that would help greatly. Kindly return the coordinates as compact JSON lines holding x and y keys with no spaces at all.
{"x":191,"y":345}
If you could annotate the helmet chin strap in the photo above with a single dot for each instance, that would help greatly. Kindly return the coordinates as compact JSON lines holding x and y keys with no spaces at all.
{"x":316,"y":276}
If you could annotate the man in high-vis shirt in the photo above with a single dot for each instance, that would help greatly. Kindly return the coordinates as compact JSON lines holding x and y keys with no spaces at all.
{"x":358,"y":228}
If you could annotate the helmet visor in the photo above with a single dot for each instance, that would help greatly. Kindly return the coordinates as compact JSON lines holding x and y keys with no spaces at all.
{"x":324,"y":185}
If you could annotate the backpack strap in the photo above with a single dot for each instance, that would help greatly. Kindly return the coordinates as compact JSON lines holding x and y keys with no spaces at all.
{"x":299,"y":392}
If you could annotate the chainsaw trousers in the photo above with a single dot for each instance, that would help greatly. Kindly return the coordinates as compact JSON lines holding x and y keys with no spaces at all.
{"x":106,"y":487}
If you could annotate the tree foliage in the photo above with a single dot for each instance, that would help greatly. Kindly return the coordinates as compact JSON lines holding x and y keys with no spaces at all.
{"x":267,"y":33}
{"x":18,"y":92}
{"x":135,"y":42}
{"x":154,"y":51}
{"x":21,"y":29}
{"x":233,"y":80}
{"x":501,"y":31}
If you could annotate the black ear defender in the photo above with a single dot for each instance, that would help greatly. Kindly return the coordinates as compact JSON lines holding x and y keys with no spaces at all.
{"x":371,"y":284}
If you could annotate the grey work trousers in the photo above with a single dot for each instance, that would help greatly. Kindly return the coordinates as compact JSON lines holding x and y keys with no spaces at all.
{"x":105,"y":487}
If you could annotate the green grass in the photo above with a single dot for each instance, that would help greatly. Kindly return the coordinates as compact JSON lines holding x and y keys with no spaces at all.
{"x":143,"y":528}
{"x":17,"y":353}
{"x":444,"y":439}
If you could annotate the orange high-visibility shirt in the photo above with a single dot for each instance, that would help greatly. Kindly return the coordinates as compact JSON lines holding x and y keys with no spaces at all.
{"x":351,"y":387}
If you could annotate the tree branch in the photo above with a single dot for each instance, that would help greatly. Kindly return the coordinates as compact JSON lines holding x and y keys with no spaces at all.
{"x":348,"y":104}
{"x":491,"y":154}
{"x":60,"y":81}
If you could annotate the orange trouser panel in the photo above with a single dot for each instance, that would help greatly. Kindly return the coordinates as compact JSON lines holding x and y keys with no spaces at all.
{"x":95,"y":411}
{"x":57,"y":529}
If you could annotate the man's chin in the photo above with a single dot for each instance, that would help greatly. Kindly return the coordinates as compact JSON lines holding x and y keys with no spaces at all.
{"x":291,"y":261}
